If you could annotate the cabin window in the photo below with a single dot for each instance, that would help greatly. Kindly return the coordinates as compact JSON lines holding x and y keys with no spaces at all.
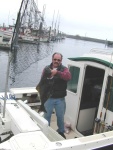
{"x":73,"y":83}
{"x":108,"y":103}
{"x":6,"y":39}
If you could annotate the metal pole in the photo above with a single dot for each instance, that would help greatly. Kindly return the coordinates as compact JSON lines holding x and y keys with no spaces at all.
{"x":6,"y":84}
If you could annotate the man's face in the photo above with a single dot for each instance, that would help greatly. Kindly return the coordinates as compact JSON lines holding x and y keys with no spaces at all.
{"x":56,"y":60}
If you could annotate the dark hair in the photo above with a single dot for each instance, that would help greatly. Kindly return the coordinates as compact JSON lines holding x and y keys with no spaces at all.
{"x":57,"y":53}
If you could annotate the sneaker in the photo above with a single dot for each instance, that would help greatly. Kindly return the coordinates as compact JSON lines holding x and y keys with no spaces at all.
{"x":62,"y":134}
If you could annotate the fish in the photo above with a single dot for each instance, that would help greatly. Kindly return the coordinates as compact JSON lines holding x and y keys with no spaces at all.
{"x":44,"y":88}
{"x":42,"y":91}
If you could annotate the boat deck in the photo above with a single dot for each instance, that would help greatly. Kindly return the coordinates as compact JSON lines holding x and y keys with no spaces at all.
{"x":53,"y":125}
{"x":26,"y":94}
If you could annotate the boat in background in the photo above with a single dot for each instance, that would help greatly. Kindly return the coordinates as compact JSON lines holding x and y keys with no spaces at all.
{"x":33,"y":39}
{"x":5,"y":38}
{"x":27,"y":36}
{"x":89,"y":110}
{"x":33,"y":36}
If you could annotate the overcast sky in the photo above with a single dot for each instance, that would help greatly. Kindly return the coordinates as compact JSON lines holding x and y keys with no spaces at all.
{"x":91,"y":18}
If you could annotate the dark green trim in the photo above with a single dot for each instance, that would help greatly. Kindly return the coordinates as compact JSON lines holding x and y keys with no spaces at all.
{"x":92,"y":59}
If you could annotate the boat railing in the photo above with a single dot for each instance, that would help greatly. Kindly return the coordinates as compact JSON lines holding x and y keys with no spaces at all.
{"x":41,"y":122}
{"x":102,"y":51}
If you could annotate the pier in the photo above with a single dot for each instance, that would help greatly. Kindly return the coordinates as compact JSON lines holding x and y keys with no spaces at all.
{"x":77,"y":37}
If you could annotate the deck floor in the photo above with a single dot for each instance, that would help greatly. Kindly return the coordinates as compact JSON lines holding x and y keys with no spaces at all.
{"x":53,"y":125}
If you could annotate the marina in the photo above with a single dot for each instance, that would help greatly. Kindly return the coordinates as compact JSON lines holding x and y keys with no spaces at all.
{"x":30,"y":27}
{"x":30,"y":76}
{"x":88,"y":122}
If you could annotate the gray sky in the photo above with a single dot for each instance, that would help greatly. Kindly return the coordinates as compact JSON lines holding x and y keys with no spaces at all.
{"x":92,"y":18}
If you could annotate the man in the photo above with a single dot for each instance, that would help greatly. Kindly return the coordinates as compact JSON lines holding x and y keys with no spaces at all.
{"x":55,"y":77}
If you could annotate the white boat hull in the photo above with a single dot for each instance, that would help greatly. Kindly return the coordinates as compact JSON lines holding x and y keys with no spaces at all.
{"x":5,"y":39}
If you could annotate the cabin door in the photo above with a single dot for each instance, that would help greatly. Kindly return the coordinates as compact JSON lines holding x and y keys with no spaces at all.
{"x":90,"y":98}
{"x":73,"y":93}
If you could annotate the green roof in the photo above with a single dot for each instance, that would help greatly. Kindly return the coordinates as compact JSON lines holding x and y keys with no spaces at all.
{"x":92,"y":59}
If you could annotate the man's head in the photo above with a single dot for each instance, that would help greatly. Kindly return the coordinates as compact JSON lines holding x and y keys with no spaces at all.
{"x":56,"y":59}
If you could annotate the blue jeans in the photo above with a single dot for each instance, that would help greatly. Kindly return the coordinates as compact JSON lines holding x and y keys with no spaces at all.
{"x":60,"y":106}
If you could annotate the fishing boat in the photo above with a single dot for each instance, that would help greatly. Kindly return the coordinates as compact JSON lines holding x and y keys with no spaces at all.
{"x":89,"y":102}
{"x":89,"y":110}
{"x":33,"y":39}
{"x":5,"y":38}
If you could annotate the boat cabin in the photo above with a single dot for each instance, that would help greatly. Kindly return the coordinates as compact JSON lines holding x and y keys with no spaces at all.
{"x":89,"y":93}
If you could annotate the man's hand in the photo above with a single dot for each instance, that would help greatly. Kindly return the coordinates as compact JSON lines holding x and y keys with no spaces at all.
{"x":53,"y":72}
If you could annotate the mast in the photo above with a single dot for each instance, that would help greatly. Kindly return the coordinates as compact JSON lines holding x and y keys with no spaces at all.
{"x":58,"y":33}
{"x":56,"y":19}
{"x":56,"y":25}
{"x":53,"y":20}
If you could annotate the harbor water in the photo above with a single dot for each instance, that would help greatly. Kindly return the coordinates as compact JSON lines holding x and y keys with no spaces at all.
{"x":30,"y":76}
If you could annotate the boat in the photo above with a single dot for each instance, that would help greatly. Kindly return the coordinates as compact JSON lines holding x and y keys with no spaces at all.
{"x":32,"y":27}
{"x":33,"y":39}
{"x":89,"y":110}
{"x":89,"y":104}
{"x":5,"y":38}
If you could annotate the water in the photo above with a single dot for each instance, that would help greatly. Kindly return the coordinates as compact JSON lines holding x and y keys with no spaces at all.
{"x":31,"y":76}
